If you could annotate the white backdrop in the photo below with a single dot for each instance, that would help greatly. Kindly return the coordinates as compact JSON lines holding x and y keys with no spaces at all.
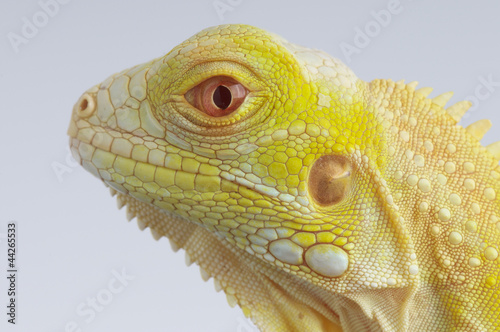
{"x":73,"y":242}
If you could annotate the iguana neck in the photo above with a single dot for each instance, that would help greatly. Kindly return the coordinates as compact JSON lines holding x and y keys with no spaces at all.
{"x":436,"y":176}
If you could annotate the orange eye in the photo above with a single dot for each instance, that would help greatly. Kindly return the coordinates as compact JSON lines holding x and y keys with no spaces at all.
{"x":217,"y":96}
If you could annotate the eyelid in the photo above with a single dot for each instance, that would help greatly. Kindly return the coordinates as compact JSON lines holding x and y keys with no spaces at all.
{"x":199,"y":123}
{"x":194,"y":121}
{"x":203,"y":71}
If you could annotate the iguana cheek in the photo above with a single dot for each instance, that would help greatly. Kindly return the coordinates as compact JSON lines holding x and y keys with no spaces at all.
{"x":327,"y":260}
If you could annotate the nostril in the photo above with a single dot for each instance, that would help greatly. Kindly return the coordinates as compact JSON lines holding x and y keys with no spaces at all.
{"x":83,"y":105}
{"x":86,"y":105}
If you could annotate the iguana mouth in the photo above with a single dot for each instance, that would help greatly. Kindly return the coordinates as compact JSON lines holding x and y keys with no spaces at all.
{"x":129,"y":176}
{"x":113,"y":169}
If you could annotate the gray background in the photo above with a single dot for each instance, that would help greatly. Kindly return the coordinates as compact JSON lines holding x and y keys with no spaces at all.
{"x":71,"y":235}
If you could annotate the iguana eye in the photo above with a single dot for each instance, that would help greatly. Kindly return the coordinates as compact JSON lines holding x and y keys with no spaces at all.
{"x":217,"y":96}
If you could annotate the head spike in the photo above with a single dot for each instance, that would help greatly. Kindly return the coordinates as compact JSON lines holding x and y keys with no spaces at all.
{"x":142,"y":224}
{"x":400,"y":84}
{"x":130,"y":214}
{"x":187,"y":259}
{"x":217,"y":285}
{"x":442,"y":99}
{"x":458,"y":110}
{"x":173,"y":245}
{"x":424,"y":92}
{"x":413,"y":84}
{"x":112,"y":191}
{"x":120,"y":202}
{"x":156,"y":234}
{"x":494,"y":149}
{"x":231,"y":300}
{"x":204,"y":274}
{"x":479,"y":128}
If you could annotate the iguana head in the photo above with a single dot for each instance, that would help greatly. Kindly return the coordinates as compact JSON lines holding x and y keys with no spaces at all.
{"x":279,"y":150}
{"x":257,"y":139}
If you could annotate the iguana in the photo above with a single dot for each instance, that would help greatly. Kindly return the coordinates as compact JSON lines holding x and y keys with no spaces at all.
{"x":317,"y":201}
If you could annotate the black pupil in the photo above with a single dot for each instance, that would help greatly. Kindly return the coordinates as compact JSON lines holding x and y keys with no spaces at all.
{"x":222,"y":97}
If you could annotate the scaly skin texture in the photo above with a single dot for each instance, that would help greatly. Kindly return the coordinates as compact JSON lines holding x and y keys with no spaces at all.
{"x":322,"y":203}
